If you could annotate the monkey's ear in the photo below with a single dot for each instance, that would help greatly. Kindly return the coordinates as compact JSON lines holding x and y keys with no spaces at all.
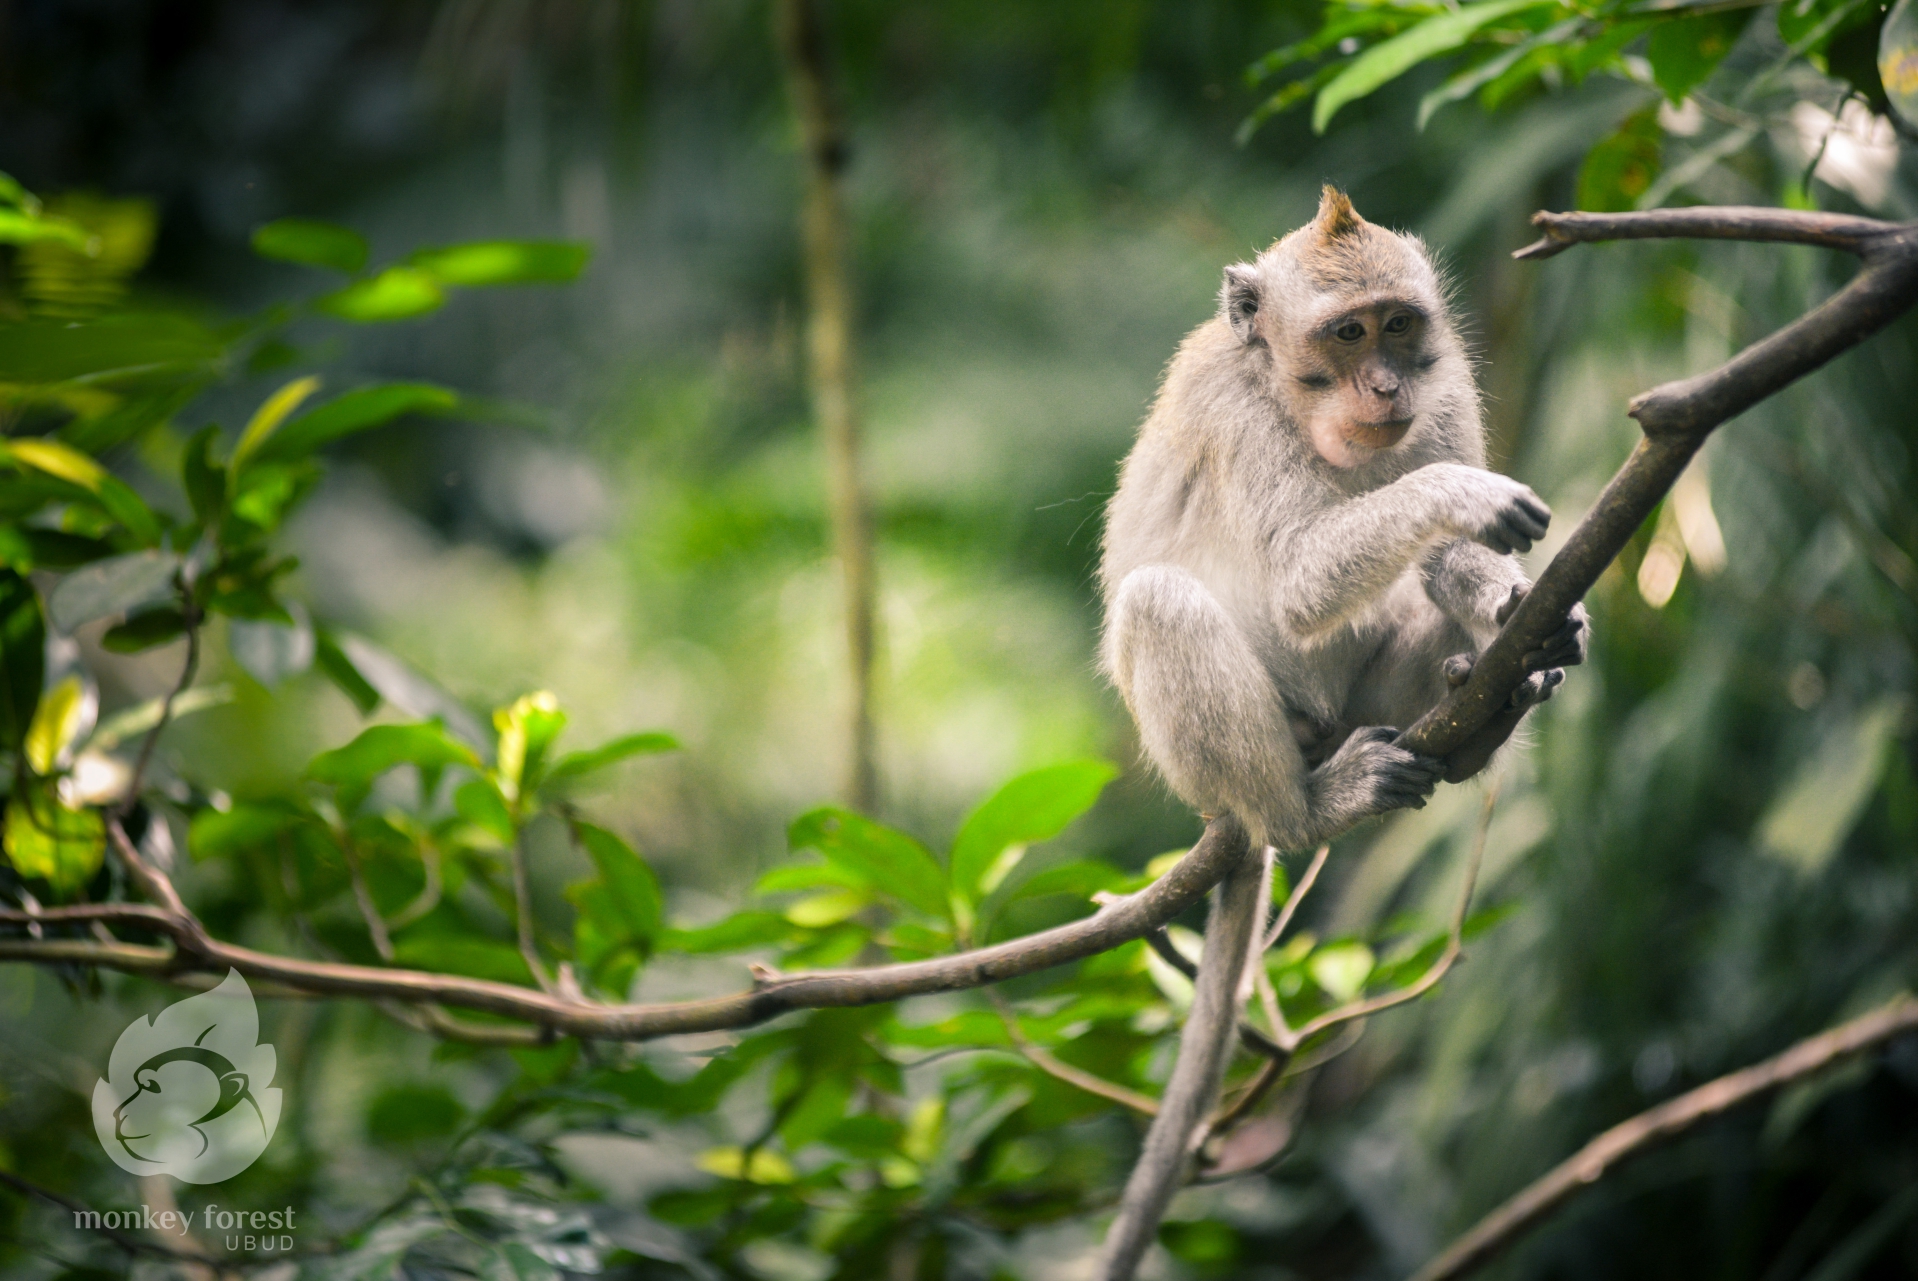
{"x":1239,"y":299}
{"x":1336,"y":216}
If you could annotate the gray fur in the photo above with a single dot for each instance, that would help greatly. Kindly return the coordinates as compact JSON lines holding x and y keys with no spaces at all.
{"x":1262,"y":604}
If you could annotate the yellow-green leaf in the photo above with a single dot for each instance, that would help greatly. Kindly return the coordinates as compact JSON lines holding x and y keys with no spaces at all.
{"x":1342,"y":969}
{"x":731,"y":1163}
{"x":270,"y":415}
{"x":45,"y":839}
{"x":1390,"y":59}
{"x":55,"y":722}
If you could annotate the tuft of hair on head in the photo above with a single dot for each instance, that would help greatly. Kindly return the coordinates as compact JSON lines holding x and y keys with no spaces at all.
{"x":1336,"y":218}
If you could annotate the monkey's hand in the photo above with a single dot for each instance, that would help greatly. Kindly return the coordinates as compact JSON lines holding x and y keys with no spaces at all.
{"x":1565,"y":647}
{"x":1371,"y":774}
{"x":1500,"y":512}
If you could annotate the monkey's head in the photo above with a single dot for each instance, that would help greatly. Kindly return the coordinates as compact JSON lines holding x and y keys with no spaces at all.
{"x":1349,"y":320}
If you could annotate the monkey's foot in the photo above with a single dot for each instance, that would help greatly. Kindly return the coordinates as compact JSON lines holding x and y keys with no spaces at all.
{"x":1565,"y":647}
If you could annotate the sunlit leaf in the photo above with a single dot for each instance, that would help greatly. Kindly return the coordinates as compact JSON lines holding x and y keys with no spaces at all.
{"x":630,"y":881}
{"x":356,"y":411}
{"x":382,"y":747}
{"x":1809,"y":819}
{"x":830,"y":908}
{"x":398,"y":293}
{"x":732,"y":1163}
{"x":479,"y":803}
{"x":503,"y":262}
{"x":1390,"y":59}
{"x":1341,"y":969}
{"x":1032,"y":807}
{"x":526,"y":729}
{"x":271,"y":413}
{"x":578,"y":764}
{"x":69,"y":464}
{"x":17,"y":228}
{"x":56,"y":722}
{"x":46,"y":840}
{"x":311,"y":243}
{"x":889,"y":862}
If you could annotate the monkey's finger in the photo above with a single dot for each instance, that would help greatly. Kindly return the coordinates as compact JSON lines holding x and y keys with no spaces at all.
{"x":1503,"y":614}
{"x":1537,"y":510}
{"x":1458,"y":669}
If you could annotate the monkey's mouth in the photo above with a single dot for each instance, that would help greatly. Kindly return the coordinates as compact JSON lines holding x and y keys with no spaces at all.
{"x":1378,"y":435}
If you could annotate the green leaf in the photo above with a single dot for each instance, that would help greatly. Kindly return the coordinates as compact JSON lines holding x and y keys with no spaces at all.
{"x":1472,"y":79}
{"x":398,"y":293}
{"x":204,"y":479}
{"x":113,"y":348}
{"x":311,"y":243}
{"x":890,"y":862}
{"x":818,"y":911}
{"x":1620,"y":168}
{"x":1684,"y":51}
{"x":806,"y":876}
{"x":578,"y":764}
{"x":356,"y":411}
{"x":141,"y":717}
{"x":503,"y":262}
{"x":480,"y":804}
{"x":1032,"y":807}
{"x":412,"y":1112}
{"x":248,"y":825}
{"x":634,"y":888}
{"x":271,"y":413}
{"x":144,"y":631}
{"x":69,"y":464}
{"x":477,"y":958}
{"x":46,"y":840}
{"x":1809,"y":819}
{"x":55,"y":722}
{"x":1390,"y":59}
{"x":382,"y":747}
{"x":738,"y":932}
{"x":526,"y":729}
{"x":1341,"y":969}
{"x":17,"y":228}
{"x":338,"y":668}
{"x":125,"y":585}
{"x":23,"y":657}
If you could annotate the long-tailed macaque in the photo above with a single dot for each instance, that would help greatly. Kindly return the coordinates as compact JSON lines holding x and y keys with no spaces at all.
{"x":1305,"y":550}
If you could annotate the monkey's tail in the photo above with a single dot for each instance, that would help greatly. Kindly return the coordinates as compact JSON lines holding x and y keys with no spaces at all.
{"x":1204,"y":1046}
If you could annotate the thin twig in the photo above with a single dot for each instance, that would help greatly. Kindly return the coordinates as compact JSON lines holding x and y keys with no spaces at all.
{"x":1454,"y":946}
{"x":523,"y":917}
{"x":1058,"y":1069}
{"x":1499,"y":1229}
{"x":191,"y":614}
{"x":1296,"y":897}
{"x":369,"y":910}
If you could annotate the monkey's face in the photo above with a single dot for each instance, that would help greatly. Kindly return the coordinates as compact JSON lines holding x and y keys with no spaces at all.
{"x":1352,"y":373}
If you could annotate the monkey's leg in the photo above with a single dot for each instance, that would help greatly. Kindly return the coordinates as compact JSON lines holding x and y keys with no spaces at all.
{"x":1211,"y":720}
{"x":1205,"y":1045}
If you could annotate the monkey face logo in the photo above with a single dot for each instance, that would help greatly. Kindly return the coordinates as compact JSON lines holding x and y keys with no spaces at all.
{"x":187,"y":1091}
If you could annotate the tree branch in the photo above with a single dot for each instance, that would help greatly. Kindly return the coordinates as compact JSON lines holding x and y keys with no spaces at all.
{"x":1503,"y":1226}
{"x":1677,"y":416}
{"x":1059,"y":1069}
{"x":1221,"y":847}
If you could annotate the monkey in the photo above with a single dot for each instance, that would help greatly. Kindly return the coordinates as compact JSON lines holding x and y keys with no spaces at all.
{"x":1305,"y":551}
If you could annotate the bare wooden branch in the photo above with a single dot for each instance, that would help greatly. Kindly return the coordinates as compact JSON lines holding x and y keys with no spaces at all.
{"x":1118,"y":921}
{"x":1596,"y":1159}
{"x":1677,"y":417}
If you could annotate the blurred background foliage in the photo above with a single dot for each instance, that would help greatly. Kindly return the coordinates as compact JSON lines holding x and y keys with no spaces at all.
{"x":1707,"y":849}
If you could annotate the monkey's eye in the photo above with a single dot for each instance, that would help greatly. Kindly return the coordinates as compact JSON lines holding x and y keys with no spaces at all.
{"x":1350,"y":331}
{"x":1398,"y":324}
{"x":1318,"y":382}
{"x":1248,"y":309}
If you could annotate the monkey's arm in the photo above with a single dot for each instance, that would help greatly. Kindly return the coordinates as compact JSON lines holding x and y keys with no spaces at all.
{"x":1204,"y":1047}
{"x":1331,"y":566}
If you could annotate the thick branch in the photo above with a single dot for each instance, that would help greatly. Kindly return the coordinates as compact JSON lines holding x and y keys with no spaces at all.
{"x":1677,"y":417}
{"x":1598,"y":1158}
{"x":1121,"y":921}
